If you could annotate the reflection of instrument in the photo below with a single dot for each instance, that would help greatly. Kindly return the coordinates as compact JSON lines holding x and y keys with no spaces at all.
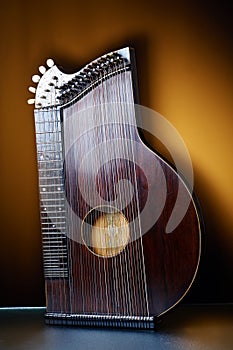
{"x":106,"y":199}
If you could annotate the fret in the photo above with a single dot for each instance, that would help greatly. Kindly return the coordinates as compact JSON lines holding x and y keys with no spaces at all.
{"x":50,"y":165}
{"x":46,"y":162}
{"x":48,"y":170}
{"x":60,"y":255}
{"x":48,"y":133}
{"x":50,"y":206}
{"x":51,"y":182}
{"x":47,"y":138}
{"x":52,"y":188}
{"x":51,"y":185}
{"x":59,"y":219}
{"x":45,"y":213}
{"x":59,"y":230}
{"x":52,"y":251}
{"x":59,"y":240}
{"x":55,"y":269}
{"x":50,"y":152}
{"x":53,"y":217}
{"x":55,"y":175}
{"x":48,"y":252}
{"x":51,"y":178}
{"x":57,"y":227}
{"x":46,"y":219}
{"x":51,"y":173}
{"x":47,"y":241}
{"x":51,"y":133}
{"x":62,"y":273}
{"x":46,"y":148}
{"x":48,"y":127}
{"x":46,"y":155}
{"x":56,"y":260}
{"x":57,"y":235}
{"x":49,"y":234}
{"x":56,"y":274}
{"x":54,"y":247}
{"x":55,"y":204}
{"x":48,"y":143}
{"x":55,"y":264}
{"x":46,"y":231}
{"x":49,"y":203}
{"x":52,"y":203}
{"x":52,"y":191}
{"x":50,"y":195}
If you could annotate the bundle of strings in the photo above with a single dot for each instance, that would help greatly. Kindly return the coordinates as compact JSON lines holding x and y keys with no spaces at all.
{"x":89,"y":183}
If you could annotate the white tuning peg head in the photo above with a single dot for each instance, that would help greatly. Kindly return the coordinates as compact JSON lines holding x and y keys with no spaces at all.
{"x":42,"y":69}
{"x":31,"y":101}
{"x":50,"y":62}
{"x":35,"y":78}
{"x":32,"y":89}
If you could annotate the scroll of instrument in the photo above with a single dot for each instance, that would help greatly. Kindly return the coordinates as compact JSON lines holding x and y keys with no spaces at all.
{"x":108,"y":260}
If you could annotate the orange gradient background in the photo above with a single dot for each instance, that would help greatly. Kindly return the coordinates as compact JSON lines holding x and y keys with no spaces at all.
{"x":184,"y":61}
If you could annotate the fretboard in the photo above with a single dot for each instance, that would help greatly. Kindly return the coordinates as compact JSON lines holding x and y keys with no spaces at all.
{"x":52,"y":196}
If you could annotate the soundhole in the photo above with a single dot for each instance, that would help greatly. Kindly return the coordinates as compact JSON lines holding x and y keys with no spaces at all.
{"x":105,"y":231}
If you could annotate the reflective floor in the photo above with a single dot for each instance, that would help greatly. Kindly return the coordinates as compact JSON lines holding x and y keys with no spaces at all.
{"x":186,"y":327}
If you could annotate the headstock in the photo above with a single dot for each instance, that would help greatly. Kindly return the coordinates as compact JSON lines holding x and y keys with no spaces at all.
{"x":55,"y":87}
{"x":48,"y":85}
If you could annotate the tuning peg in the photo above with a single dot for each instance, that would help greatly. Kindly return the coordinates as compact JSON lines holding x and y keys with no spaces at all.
{"x":31,"y":101}
{"x":50,"y":62}
{"x":32,"y":89}
{"x":35,"y":78}
{"x":42,"y":69}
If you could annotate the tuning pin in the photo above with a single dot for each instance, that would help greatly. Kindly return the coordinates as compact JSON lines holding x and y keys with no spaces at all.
{"x":42,"y":69}
{"x":50,"y":62}
{"x":35,"y":78}
{"x":32,"y":89}
{"x":31,"y":101}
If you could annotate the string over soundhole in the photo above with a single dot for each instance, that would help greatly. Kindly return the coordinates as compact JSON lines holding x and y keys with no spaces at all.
{"x":105,"y":231}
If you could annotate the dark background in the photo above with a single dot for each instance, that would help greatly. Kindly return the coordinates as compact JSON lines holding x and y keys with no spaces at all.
{"x":184,"y":59}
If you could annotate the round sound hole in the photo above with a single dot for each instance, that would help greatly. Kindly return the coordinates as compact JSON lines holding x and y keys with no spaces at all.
{"x":105,"y":231}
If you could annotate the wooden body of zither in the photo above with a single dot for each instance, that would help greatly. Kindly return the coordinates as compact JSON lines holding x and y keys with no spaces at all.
{"x":108,"y":260}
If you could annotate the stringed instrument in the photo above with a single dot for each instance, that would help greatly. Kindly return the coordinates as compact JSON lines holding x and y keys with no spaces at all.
{"x":105,"y":202}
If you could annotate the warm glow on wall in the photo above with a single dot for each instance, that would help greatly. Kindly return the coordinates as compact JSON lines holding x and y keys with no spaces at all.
{"x":184,"y":59}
